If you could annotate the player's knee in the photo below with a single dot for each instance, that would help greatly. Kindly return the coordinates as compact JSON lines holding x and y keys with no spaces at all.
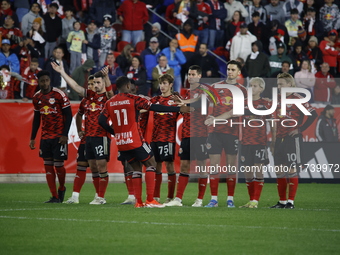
{"x":58,"y":163}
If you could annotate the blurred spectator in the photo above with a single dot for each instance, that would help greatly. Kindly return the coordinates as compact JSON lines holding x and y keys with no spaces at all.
{"x":275,"y":61}
{"x":329,"y":16}
{"x":274,"y":11}
{"x":133,"y":15}
{"x":308,"y":4}
{"x":162,"y":39}
{"x":176,"y":59}
{"x":256,"y":27}
{"x":7,"y":10}
{"x":323,"y":85}
{"x":169,"y":16}
{"x":326,"y":127}
{"x":314,"y":54}
{"x":9,"y":31}
{"x":107,"y":38}
{"x":290,"y":5}
{"x":125,"y":57}
{"x":37,"y":35}
{"x":158,"y":70}
{"x":313,"y":25}
{"x":29,"y":84}
{"x":7,"y":57}
{"x":303,"y":38}
{"x":297,"y":56}
{"x":184,"y":10}
{"x":233,"y":26}
{"x":293,"y":25}
{"x":275,"y":40}
{"x":231,"y":6}
{"x":53,"y":28}
{"x":241,"y":43}
{"x":67,"y":24}
{"x":99,"y":8}
{"x":114,"y":69}
{"x":285,"y":68}
{"x":336,"y":95}
{"x":305,"y":78}
{"x":137,"y":73}
{"x":256,"y":7}
{"x":25,"y":51}
{"x":10,"y":87}
{"x":187,"y":40}
{"x":274,"y":28}
{"x":27,"y":20}
{"x":92,"y":42}
{"x":243,"y":76}
{"x":207,"y":62}
{"x":330,"y":50}
{"x":257,"y":63}
{"x":22,"y":7}
{"x":75,"y":45}
{"x":201,"y":24}
{"x":216,"y":24}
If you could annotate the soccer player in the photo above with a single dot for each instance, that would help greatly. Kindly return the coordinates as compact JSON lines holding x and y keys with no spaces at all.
{"x":52,"y":106}
{"x":286,"y":143}
{"x":82,"y":163}
{"x":224,"y":137}
{"x":98,"y":141}
{"x":123,"y":110}
{"x":193,"y":144}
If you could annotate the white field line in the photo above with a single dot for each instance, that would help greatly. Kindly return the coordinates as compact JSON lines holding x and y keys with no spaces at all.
{"x":169,"y":224}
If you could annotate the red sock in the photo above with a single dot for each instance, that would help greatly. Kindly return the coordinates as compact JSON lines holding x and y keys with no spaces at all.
{"x":103,"y":182}
{"x":171,"y":185}
{"x":257,"y":188}
{"x":202,"y":186}
{"x":150,"y":176}
{"x":50,"y":178}
{"x":157,"y":192}
{"x":183,"y":180}
{"x":231,"y":183}
{"x":214,"y":181}
{"x":250,"y":187}
{"x":137,"y":186}
{"x":61,"y":174}
{"x":293,"y":185}
{"x":128,"y":182}
{"x":79,"y":179}
{"x":282,"y":188}
{"x":95,"y":181}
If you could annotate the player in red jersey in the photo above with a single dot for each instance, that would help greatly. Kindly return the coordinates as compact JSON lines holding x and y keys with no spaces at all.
{"x":286,"y":143}
{"x":98,"y":141}
{"x":123,"y":110}
{"x":52,"y":106}
{"x":224,"y":137}
{"x":193,"y":144}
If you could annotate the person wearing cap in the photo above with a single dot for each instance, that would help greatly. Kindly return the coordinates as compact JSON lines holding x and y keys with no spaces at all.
{"x":53,"y":27}
{"x":241,"y":43}
{"x":108,"y":38}
{"x":256,"y":27}
{"x":7,"y":57}
{"x":27,"y":20}
{"x":288,"y":6}
{"x":275,"y":61}
{"x":156,"y":32}
{"x":330,"y":50}
{"x":9,"y":31}
{"x":134,"y":15}
{"x":326,"y":127}
{"x":256,"y":7}
{"x":101,"y":7}
{"x":293,"y":24}
{"x":324,"y":85}
{"x":274,"y":11}
{"x":312,"y":24}
{"x":314,"y":53}
{"x":67,"y":24}
{"x":329,"y":16}
{"x":92,"y":42}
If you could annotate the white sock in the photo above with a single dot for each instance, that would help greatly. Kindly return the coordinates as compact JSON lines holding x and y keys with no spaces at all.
{"x":75,"y":195}
{"x":230,"y":198}
{"x":178,"y":199}
{"x":214,"y":198}
{"x":291,"y":201}
{"x":283,"y":202}
{"x":131,"y":197}
{"x":199,"y":200}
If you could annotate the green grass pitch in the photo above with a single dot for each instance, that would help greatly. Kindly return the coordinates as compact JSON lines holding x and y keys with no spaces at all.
{"x":28,"y":226}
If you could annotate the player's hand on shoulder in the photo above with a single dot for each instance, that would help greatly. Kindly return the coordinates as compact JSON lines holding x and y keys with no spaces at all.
{"x":32,"y":144}
{"x":63,"y":140}
{"x":186,"y":109}
{"x":146,"y":97}
{"x":209,"y":121}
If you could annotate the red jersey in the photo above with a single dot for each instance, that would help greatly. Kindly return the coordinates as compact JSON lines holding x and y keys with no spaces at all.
{"x":50,"y":106}
{"x":203,"y":7}
{"x":226,"y":106}
{"x":164,"y":123}
{"x":193,"y":123}
{"x":292,"y":113}
{"x":123,"y":110}
{"x":93,"y":107}
{"x":31,"y":82}
{"x":81,"y":111}
{"x":11,"y":31}
{"x":253,"y":133}
{"x":8,"y":91}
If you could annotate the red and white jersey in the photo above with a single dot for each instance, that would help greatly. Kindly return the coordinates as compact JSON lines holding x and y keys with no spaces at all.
{"x":123,"y":110}
{"x":31,"y":81}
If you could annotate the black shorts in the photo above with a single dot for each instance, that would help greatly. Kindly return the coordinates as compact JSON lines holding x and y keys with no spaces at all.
{"x":193,"y":148}
{"x":51,"y":148}
{"x":81,"y":153}
{"x":288,"y":151}
{"x":97,"y":148}
{"x":253,"y":154}
{"x":140,"y":154}
{"x":163,"y":151}
{"x":219,"y":141}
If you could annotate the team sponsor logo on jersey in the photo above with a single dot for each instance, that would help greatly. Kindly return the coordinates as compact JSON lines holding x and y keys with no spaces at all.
{"x":46,"y":110}
{"x":51,"y":100}
{"x":94,"y":107}
{"x":171,"y":102}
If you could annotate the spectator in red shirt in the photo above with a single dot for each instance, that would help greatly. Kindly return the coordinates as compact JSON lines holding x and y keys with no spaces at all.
{"x":10,"y":32}
{"x":323,"y":85}
{"x":330,"y":50}
{"x":29,"y":84}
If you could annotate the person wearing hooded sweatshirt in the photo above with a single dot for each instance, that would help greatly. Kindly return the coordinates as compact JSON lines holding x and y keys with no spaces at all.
{"x":27,"y":20}
{"x":275,"y":61}
{"x":257,"y":63}
{"x":92,"y":42}
{"x":330,"y":50}
{"x":329,"y":16}
{"x":297,"y":55}
{"x":326,"y":127}
{"x":241,"y":43}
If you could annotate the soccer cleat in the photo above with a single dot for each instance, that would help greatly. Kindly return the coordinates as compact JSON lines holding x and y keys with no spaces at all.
{"x":157,"y":199}
{"x":289,"y":206}
{"x":278,"y":206}
{"x":253,"y":204}
{"x":198,"y":203}
{"x":212,"y":203}
{"x":139,"y":205}
{"x":98,"y":201}
{"x":167,"y":200}
{"x":153,"y":204}
{"x":175,"y":202}
{"x":230,"y":204}
{"x":53,"y":200}
{"x":72,"y":200}
{"x":245,"y":206}
{"x":61,"y":194}
{"x":129,"y":201}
